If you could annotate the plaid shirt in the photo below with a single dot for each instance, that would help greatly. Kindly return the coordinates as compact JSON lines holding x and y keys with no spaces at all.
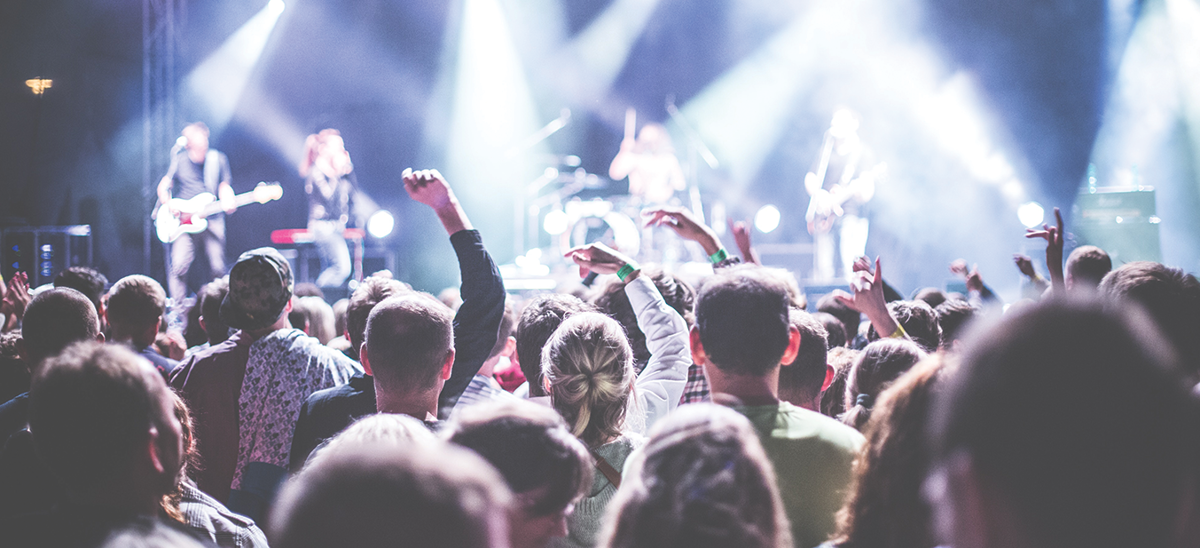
{"x":696,"y":390}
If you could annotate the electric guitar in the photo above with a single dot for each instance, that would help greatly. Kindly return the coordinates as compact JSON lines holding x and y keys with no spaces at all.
{"x":825,"y":206}
{"x":191,"y":215}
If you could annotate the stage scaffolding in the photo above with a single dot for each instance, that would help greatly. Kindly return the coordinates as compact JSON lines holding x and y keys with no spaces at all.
{"x":162,"y":25}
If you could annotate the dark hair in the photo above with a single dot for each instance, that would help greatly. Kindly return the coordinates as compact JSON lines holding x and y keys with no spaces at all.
{"x":209,"y":303}
{"x":54,"y":319}
{"x":1171,"y":297}
{"x":613,"y":301}
{"x":850,"y":318}
{"x":833,"y":399}
{"x":369,"y":293}
{"x":1087,"y":265}
{"x":885,"y":507}
{"x":834,"y":328}
{"x":931,"y":296}
{"x":954,"y":316}
{"x":1079,"y":415}
{"x":506,"y":328}
{"x":918,"y":320}
{"x":530,"y":445}
{"x":800,"y":381}
{"x":880,"y":363}
{"x":308,"y":289}
{"x":91,"y":410}
{"x":742,"y":317}
{"x":408,"y":338}
{"x":85,"y":280}
{"x":539,"y":320}
{"x":135,"y":302}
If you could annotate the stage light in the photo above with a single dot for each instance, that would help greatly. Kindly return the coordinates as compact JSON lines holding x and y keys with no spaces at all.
{"x":1031,"y":214}
{"x":39,"y":85}
{"x":767,"y":219}
{"x":381,"y":223}
{"x":276,"y":6}
{"x":591,"y":62}
{"x":556,"y":222}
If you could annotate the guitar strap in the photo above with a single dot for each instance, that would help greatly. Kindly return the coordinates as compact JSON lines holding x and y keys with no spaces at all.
{"x":212,"y":170}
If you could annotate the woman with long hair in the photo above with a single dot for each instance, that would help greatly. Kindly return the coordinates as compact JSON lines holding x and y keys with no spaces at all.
{"x":330,"y":185}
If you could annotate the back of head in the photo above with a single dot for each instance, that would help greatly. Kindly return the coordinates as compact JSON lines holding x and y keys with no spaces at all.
{"x":530,"y":445}
{"x":390,"y":429}
{"x":833,"y":399}
{"x":589,"y":366}
{"x":210,"y":299}
{"x":834,"y":328}
{"x":538,"y":321}
{"x":918,"y":320}
{"x":54,"y":319}
{"x":880,"y":363}
{"x":135,"y":303}
{"x":1086,"y":266}
{"x":802,"y":380}
{"x":369,"y":293}
{"x":318,"y":315}
{"x":702,"y":481}
{"x":407,"y":340}
{"x":85,"y":280}
{"x":91,"y":411}
{"x":850,"y":318}
{"x":953,"y":317}
{"x":931,"y":296}
{"x":742,"y":316}
{"x":507,"y":322}
{"x":613,"y":301}
{"x":1171,"y":297}
{"x":372,"y":495}
{"x":1074,"y":419}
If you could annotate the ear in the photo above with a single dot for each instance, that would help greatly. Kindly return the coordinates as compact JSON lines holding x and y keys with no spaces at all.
{"x":152,"y":451}
{"x":510,"y":348}
{"x":200,"y":319}
{"x":288,"y":308}
{"x":793,"y":346}
{"x":787,"y":363}
{"x":23,"y":352}
{"x":829,"y":375}
{"x":362,"y":359}
{"x":699,"y":357}
{"x":448,"y":365}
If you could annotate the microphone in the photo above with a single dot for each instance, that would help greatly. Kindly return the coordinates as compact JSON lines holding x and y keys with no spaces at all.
{"x":179,"y":144}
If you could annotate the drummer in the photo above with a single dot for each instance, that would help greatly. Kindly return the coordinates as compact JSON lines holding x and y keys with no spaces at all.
{"x":650,"y":163}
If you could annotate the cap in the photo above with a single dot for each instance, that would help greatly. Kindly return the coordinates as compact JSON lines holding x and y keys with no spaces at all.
{"x":260,"y":286}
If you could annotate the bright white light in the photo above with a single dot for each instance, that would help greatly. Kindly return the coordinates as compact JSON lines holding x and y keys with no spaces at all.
{"x":767,"y":219}
{"x":276,"y":6}
{"x":556,"y":222}
{"x":1031,"y":214}
{"x":381,"y":223}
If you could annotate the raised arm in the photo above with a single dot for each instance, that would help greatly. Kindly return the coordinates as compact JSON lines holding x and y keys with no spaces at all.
{"x":1054,"y":250}
{"x":478,"y":319}
{"x":867,"y":297}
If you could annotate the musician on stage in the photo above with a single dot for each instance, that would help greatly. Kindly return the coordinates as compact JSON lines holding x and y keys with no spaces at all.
{"x":331,"y":185}
{"x":650,"y":163}
{"x":841,"y":186}
{"x":196,"y":169}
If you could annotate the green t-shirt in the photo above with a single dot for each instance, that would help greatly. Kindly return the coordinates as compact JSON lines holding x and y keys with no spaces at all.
{"x":812,"y":455}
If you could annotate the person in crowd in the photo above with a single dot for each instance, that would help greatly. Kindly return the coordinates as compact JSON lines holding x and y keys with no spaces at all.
{"x":703,"y":479}
{"x":379,"y":428}
{"x":318,"y":317}
{"x":833,"y":398}
{"x":931,"y":296}
{"x":742,"y":338}
{"x":850,"y":318}
{"x":14,"y":297}
{"x":208,"y":319}
{"x":885,"y":508}
{"x":880,"y":363}
{"x":547,"y":469}
{"x":341,"y":343}
{"x":540,"y":318}
{"x":409,"y":349}
{"x":834,"y":328}
{"x":919,"y":321}
{"x":483,"y":387}
{"x":204,"y":515}
{"x":102,"y":421}
{"x":954,"y":317}
{"x":136,"y":305}
{"x":588,"y":368}
{"x":1171,"y":297}
{"x":1086,"y":266}
{"x":1066,"y":425}
{"x":802,"y":381}
{"x":88,"y":281}
{"x":377,"y":494}
{"x":246,"y":392}
{"x":14,"y":372}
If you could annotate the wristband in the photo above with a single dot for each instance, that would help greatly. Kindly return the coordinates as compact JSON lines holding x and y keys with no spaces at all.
{"x":899,"y":333}
{"x":719,"y":256}
{"x":626,"y":270}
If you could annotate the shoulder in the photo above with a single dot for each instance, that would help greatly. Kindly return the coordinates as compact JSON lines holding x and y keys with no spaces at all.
{"x":800,"y":423}
{"x":215,"y":362}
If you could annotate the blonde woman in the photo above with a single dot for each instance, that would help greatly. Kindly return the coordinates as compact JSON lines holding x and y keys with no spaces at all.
{"x":588,"y":369}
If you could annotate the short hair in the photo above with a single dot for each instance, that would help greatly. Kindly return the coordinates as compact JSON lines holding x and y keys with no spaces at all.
{"x":376,"y":495}
{"x":88,"y":281}
{"x":210,"y":299}
{"x":308,"y":289}
{"x":742,"y":317}
{"x":850,"y":318}
{"x":407,"y":341}
{"x":530,"y":445}
{"x":834,"y":328}
{"x":919,"y":321}
{"x":880,"y":363}
{"x":1171,"y":297}
{"x":1079,"y":414}
{"x":506,"y":328}
{"x":370,"y":292}
{"x":931,"y":296}
{"x":379,"y":428}
{"x":953,"y":317}
{"x":613,"y":301}
{"x":91,"y":410}
{"x":590,"y":368}
{"x":318,"y":315}
{"x":1087,"y":265}
{"x":54,"y":319}
{"x":703,"y":479}
{"x":136,"y":302}
{"x":805,"y":375}
{"x":833,"y":399}
{"x":539,"y":320}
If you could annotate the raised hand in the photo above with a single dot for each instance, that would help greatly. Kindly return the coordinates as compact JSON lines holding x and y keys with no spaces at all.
{"x":686,"y":225}
{"x":867,"y":297}
{"x":741,"y":236}
{"x":15,"y":299}
{"x":430,"y":188}
{"x":1025,"y":265}
{"x":1054,"y":249}
{"x":971,"y":275}
{"x":599,"y":258}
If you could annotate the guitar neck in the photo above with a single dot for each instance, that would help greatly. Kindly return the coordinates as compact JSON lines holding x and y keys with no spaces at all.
{"x":238,"y":201}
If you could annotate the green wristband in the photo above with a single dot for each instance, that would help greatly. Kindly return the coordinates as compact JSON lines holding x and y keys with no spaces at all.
{"x":626,"y":270}
{"x":719,"y":256}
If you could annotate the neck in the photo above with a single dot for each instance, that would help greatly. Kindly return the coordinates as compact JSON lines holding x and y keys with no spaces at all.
{"x":489,"y":367}
{"x":419,"y":405}
{"x":801,"y":400}
{"x":750,"y":389}
{"x":139,"y":338}
{"x":281,"y":323}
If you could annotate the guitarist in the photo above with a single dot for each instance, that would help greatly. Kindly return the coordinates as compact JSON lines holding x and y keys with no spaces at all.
{"x":839,"y":189}
{"x":196,"y":169}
